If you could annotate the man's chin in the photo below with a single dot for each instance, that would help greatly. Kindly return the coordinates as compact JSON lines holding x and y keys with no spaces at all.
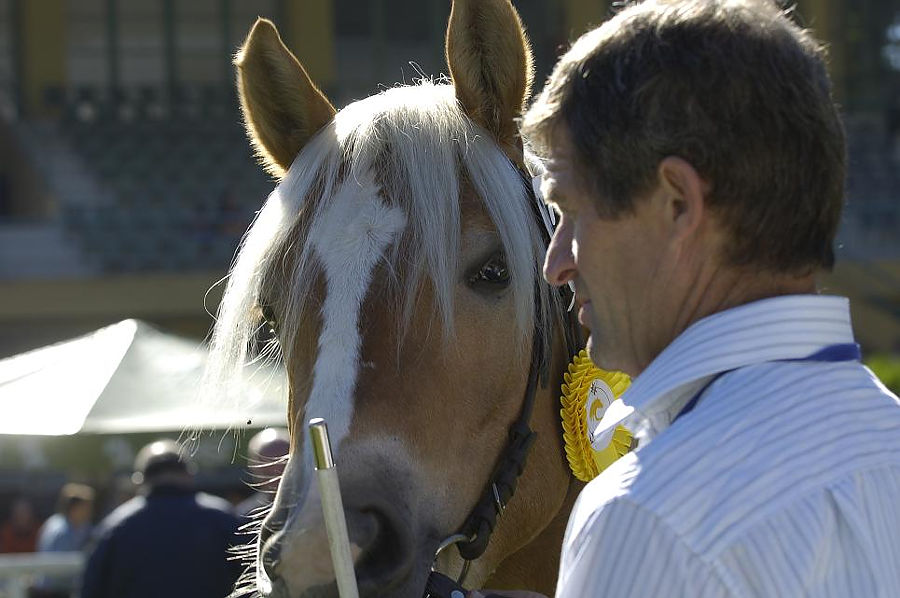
{"x":600,"y":356}
{"x":593,"y":351}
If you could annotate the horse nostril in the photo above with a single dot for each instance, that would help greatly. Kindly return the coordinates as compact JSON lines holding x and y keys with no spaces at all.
{"x":386,"y":552}
{"x":272,"y":524}
{"x":363,"y":527}
{"x":270,"y":542}
{"x":270,"y":556}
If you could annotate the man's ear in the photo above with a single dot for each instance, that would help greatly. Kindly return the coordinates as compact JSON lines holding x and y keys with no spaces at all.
{"x":682,"y":193}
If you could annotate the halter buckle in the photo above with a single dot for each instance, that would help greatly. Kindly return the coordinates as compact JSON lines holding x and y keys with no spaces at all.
{"x":447,"y":543}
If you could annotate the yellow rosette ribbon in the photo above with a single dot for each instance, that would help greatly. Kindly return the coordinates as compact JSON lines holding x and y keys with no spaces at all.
{"x":587,"y":392}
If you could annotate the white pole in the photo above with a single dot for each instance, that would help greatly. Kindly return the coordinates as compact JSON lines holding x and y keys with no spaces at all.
{"x":333,"y":509}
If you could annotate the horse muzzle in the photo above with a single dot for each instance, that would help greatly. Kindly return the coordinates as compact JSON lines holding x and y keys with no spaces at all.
{"x":294,"y":561}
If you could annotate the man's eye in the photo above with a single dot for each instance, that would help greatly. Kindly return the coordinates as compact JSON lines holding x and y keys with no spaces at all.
{"x":492,"y":273}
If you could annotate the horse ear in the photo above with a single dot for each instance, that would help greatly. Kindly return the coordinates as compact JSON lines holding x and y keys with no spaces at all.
{"x":490,"y":62}
{"x":282,"y":107}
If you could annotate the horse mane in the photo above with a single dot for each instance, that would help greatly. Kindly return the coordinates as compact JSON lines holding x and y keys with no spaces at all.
{"x":414,"y":143}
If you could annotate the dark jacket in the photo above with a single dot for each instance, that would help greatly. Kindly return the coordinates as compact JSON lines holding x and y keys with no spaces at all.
{"x":174,"y":542}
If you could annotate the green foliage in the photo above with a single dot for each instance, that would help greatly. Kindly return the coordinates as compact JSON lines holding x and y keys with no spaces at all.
{"x":887,"y":367}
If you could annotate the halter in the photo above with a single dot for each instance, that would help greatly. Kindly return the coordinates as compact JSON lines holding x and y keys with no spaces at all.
{"x":473,"y":537}
{"x":475,"y":533}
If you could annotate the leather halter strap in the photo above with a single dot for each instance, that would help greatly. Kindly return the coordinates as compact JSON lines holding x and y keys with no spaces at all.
{"x":502,"y":484}
{"x":511,"y":463}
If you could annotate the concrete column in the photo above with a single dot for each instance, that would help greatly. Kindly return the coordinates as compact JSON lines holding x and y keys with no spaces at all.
{"x":170,"y":49}
{"x":41,"y":52}
{"x":112,"y":44}
{"x":581,"y":15}
{"x":309,"y":33}
{"x":225,"y":10}
{"x":824,"y":17}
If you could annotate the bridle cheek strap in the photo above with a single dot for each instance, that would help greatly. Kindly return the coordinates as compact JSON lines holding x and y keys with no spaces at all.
{"x":510,"y":465}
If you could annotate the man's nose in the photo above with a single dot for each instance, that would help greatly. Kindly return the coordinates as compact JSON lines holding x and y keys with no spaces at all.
{"x":559,"y":263}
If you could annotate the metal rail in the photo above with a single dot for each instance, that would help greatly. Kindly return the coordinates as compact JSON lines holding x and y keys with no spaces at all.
{"x":17,"y":570}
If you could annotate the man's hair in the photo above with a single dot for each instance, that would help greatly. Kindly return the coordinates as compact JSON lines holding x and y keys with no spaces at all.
{"x":159,"y":459}
{"x":733,"y":87}
{"x":72,"y":495}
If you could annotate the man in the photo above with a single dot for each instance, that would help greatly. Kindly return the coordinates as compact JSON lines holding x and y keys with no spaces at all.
{"x":170,"y":541}
{"x":67,"y":530}
{"x":697,"y":159}
{"x":268,"y":456}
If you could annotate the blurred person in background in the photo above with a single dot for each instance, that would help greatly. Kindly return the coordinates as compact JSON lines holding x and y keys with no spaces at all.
{"x":20,"y":530}
{"x":171,"y":540}
{"x":68,"y":530}
{"x":268,"y":450}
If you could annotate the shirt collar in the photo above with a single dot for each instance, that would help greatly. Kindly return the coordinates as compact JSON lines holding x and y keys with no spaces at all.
{"x":786,"y":327}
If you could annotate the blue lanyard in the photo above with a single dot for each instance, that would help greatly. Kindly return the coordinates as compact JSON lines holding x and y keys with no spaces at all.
{"x":840,"y":352}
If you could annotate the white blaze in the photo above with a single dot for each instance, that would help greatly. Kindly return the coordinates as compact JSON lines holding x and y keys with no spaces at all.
{"x":349,"y":237}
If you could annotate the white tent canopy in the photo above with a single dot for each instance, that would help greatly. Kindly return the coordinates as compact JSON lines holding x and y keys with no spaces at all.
{"x":127,"y":377}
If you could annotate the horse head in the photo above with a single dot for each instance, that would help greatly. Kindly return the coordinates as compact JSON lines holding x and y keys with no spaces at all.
{"x":397,"y":262}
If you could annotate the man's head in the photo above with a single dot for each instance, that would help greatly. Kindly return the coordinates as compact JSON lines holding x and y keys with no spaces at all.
{"x":694,"y":137}
{"x":76,"y":502}
{"x":162,"y":463}
{"x":268,"y":456}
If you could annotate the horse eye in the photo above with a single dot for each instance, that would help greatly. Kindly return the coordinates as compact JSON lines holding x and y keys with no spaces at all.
{"x":492,"y":274}
{"x":268,"y":315}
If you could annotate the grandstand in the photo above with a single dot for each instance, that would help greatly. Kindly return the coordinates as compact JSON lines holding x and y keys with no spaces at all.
{"x":138,"y":192}
{"x":126,"y":180}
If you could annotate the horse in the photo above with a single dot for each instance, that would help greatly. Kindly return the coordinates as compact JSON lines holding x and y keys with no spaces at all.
{"x":397,"y":264}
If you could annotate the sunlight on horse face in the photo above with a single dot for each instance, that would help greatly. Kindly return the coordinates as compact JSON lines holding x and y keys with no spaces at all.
{"x":421,"y":414}
{"x":417,"y":388}
{"x":398,"y":258}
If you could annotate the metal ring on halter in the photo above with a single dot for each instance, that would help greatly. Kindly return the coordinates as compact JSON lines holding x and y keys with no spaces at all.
{"x":447,"y":543}
{"x":498,"y":504}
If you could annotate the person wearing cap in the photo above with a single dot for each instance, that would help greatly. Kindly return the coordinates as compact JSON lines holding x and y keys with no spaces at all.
{"x":268,"y":455}
{"x":170,"y":540}
{"x":67,"y":530}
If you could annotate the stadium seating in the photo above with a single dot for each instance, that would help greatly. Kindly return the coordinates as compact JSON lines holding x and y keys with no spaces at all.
{"x":872,"y":213}
{"x":183,"y":183}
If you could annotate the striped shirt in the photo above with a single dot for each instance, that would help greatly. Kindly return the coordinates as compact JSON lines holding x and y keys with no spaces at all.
{"x":784,"y":480}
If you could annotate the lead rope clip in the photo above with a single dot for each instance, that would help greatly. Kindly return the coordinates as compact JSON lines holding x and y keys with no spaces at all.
{"x":447,"y":543}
